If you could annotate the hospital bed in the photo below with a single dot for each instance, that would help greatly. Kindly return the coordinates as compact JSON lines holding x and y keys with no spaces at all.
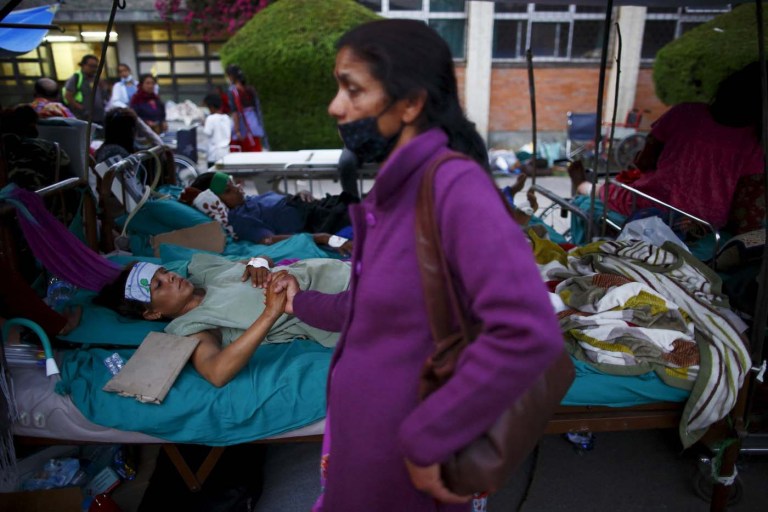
{"x":48,"y":417}
{"x":276,"y":166}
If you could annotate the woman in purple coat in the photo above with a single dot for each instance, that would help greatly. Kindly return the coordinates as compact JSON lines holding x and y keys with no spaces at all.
{"x":398,"y":103}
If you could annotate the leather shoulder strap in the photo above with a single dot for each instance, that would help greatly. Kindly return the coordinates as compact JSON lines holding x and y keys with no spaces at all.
{"x":439,"y":291}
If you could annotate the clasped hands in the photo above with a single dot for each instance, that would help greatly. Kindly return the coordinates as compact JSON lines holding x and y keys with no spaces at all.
{"x":279,"y":288}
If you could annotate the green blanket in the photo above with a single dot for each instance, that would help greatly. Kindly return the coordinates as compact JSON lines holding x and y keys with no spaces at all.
{"x":281,"y":389}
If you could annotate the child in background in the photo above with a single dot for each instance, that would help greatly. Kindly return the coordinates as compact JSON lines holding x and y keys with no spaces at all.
{"x":218,"y":129}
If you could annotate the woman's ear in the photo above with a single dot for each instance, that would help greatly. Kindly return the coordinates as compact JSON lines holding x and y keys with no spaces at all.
{"x":149,"y":314}
{"x":414,"y":106}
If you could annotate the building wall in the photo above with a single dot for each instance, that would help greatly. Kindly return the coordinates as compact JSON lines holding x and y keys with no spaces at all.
{"x":558,"y":90}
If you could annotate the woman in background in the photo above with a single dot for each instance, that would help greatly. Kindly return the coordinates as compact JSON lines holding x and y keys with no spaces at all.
{"x":148,"y":105}
{"x":248,"y":125}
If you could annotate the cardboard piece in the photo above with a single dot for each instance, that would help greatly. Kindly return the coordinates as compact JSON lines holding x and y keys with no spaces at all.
{"x":64,"y":499}
{"x":151,"y":371}
{"x":207,"y":237}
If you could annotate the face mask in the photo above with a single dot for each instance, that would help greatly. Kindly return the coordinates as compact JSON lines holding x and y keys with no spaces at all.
{"x":128,"y":79}
{"x":362,"y":137}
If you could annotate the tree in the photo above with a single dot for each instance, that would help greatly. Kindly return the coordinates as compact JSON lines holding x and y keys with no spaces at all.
{"x":214,"y":19}
{"x":287,"y":52}
{"x":691,"y":67}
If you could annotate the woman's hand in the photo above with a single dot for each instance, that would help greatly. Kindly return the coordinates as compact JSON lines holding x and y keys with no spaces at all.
{"x":276,"y":298}
{"x":427,"y":479}
{"x":283,"y":281}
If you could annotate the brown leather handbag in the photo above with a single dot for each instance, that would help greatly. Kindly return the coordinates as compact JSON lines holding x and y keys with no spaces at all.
{"x":486,"y":463}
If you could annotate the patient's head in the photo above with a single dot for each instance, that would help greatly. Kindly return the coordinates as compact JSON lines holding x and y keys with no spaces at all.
{"x":222,"y":185}
{"x":148,"y":291}
{"x":739,"y":97}
{"x":120,"y":128}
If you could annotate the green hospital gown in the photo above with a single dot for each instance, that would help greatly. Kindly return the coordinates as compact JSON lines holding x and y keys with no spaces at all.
{"x":231,"y":305}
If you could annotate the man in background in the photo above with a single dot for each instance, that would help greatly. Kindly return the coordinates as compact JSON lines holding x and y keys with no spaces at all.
{"x":79,"y":89}
{"x":46,"y":101}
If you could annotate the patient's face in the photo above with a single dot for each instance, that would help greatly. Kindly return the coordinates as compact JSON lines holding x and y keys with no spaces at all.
{"x":233,"y":195}
{"x":170,"y":293}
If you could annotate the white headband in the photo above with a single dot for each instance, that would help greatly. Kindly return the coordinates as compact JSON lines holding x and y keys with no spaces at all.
{"x":139,"y":279}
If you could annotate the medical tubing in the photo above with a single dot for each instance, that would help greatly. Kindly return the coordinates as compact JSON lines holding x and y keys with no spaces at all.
{"x":51,"y":368}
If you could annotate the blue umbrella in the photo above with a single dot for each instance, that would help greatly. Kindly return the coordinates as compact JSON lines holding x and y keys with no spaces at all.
{"x":18,"y":41}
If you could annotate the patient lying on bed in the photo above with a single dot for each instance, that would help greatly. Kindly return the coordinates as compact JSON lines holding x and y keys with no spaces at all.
{"x":271,"y":217}
{"x":222,"y":304}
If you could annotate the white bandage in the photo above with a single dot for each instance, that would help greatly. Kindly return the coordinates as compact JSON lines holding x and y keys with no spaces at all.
{"x":337,"y":241}
{"x":137,"y":286}
{"x":258,"y":263}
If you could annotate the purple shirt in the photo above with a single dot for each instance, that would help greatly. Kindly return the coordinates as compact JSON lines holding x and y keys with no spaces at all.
{"x":375,"y":417}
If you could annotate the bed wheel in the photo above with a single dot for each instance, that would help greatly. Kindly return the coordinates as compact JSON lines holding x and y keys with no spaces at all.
{"x":702,"y":484}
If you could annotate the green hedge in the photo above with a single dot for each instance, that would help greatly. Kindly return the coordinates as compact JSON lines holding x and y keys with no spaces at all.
{"x":691,"y":67}
{"x":287,"y":53}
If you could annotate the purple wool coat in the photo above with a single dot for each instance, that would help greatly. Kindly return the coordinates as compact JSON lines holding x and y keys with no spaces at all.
{"x":375,"y":417}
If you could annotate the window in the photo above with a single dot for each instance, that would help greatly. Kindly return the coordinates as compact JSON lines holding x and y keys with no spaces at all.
{"x":574,"y":33}
{"x":57,"y":57}
{"x":447,"y":17}
{"x":665,"y":24}
{"x":552,"y":32}
{"x":186,"y":67}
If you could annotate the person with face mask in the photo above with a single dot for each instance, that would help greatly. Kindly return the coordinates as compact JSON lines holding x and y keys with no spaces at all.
{"x":124,"y":89}
{"x":398,"y":104}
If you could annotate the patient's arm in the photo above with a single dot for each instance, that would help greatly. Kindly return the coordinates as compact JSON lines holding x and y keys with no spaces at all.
{"x":220,"y":365}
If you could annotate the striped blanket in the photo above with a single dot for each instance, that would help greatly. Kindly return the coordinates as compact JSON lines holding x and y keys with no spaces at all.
{"x":635,"y":308}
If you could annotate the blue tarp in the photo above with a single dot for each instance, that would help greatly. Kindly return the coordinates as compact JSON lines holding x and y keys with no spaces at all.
{"x":18,"y":41}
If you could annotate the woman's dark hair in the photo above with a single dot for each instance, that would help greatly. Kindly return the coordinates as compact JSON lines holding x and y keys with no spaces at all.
{"x":739,"y":97}
{"x":112,"y":296}
{"x":408,"y":57}
{"x":120,"y":127}
{"x":145,"y":76}
{"x":235,"y":72}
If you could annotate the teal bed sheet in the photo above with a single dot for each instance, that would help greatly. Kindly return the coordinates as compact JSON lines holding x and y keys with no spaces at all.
{"x":281,"y":389}
{"x":593,"y":387}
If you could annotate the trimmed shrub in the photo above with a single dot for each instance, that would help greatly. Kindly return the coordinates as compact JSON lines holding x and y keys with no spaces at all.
{"x":287,"y":52}
{"x":691,"y":67}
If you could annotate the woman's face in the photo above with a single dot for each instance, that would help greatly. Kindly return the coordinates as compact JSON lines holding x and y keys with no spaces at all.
{"x":169,"y":293}
{"x":360,"y":95}
{"x":148,"y":85}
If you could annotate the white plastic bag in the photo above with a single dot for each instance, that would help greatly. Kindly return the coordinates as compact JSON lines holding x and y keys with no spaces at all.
{"x":651,"y":230}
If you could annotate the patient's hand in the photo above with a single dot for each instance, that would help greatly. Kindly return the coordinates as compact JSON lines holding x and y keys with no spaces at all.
{"x":285,"y":282}
{"x":275,"y":298}
{"x":260,"y":277}
{"x":305,"y":196}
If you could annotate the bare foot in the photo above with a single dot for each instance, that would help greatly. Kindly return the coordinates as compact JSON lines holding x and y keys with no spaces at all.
{"x":519,"y":184}
{"x":531,"y":195}
{"x":577,"y":173}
